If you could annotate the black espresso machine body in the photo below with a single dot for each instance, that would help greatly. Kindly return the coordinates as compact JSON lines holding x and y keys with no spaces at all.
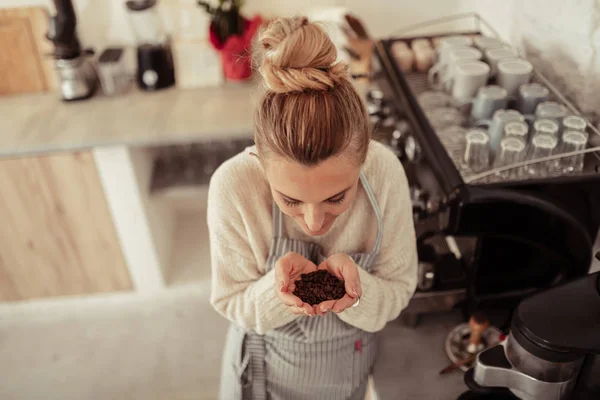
{"x":525,"y":235}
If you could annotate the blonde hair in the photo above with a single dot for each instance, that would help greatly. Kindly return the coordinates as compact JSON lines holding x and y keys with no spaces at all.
{"x":310,"y":110}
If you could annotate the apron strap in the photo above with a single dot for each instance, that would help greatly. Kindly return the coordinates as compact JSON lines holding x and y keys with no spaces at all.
{"x":378,"y":214}
{"x":277,"y":221}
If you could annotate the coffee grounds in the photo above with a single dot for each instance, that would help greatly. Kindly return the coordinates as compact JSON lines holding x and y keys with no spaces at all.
{"x":319,"y":286}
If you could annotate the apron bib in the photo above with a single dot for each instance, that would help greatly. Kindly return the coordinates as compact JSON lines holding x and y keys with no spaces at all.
{"x":309,"y":358}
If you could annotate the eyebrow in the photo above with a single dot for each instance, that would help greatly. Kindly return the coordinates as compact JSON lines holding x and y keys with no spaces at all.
{"x":329,"y":198}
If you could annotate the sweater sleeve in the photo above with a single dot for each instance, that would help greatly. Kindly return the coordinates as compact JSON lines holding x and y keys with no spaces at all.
{"x":387,"y":289}
{"x":240,"y":290}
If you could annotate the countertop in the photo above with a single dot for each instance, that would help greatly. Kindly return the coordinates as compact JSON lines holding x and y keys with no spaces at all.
{"x":40,"y":123}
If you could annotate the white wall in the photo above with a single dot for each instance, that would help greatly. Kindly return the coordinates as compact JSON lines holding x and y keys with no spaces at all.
{"x":102,"y":22}
{"x":562,"y":38}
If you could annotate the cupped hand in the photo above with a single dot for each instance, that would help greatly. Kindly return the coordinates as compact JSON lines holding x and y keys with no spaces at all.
{"x":344,"y":268}
{"x":288,"y":269}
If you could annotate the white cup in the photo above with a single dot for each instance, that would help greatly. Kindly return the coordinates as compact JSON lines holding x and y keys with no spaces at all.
{"x":467,"y":78}
{"x":493,"y":56}
{"x":440,"y":75}
{"x":451,"y":42}
{"x":513,"y":73}
{"x":484,"y":43}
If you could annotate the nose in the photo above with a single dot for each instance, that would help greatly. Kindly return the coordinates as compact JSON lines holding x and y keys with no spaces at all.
{"x":314,"y":218}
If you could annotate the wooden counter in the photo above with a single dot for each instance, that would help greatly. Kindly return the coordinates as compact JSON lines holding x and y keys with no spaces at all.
{"x":41,"y":123}
{"x":57,"y":237}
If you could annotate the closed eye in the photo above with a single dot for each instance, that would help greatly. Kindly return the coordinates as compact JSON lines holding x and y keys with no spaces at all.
{"x":291,"y":203}
{"x":336,"y":199}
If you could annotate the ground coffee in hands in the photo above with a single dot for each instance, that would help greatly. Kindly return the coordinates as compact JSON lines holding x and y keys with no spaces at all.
{"x":319,"y":286}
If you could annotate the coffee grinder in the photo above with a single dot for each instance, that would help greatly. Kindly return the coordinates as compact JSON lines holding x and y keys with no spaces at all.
{"x":77,"y":77}
{"x":155,"y":68}
{"x":552,"y":351}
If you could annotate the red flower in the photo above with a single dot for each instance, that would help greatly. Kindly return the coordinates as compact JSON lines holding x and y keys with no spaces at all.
{"x":235,"y":52}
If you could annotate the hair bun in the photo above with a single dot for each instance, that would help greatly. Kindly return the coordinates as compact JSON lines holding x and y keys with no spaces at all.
{"x":298,"y":55}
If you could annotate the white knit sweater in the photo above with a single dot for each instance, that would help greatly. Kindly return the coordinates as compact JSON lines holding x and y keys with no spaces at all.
{"x":240,"y":227}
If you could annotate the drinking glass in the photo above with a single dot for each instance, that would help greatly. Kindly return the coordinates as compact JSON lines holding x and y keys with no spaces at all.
{"x":443,"y":117}
{"x":512,"y":151}
{"x":542,"y":145}
{"x":572,"y":141}
{"x":430,"y":100}
{"x":546,"y":126}
{"x":517,"y":129}
{"x":574,"y":123}
{"x":551,"y":110}
{"x":477,"y":150}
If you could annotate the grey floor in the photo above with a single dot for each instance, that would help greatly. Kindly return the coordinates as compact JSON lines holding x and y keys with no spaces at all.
{"x":168,"y":347}
{"x":410,"y":359}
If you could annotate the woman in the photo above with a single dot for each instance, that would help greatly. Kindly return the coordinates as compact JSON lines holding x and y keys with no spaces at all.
{"x":315,"y":193}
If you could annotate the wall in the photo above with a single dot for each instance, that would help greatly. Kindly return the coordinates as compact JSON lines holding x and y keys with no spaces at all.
{"x":562,"y":40}
{"x":102,"y":22}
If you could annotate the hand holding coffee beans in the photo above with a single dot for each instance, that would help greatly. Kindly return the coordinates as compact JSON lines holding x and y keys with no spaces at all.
{"x":288,"y":269}
{"x":345,"y":269}
{"x":310,"y":290}
{"x":319,"y":286}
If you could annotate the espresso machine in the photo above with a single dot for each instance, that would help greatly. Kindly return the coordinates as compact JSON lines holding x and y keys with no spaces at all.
{"x":77,"y":77}
{"x":552,"y":351}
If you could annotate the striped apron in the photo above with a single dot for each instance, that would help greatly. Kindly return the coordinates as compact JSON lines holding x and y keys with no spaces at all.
{"x":315,"y":358}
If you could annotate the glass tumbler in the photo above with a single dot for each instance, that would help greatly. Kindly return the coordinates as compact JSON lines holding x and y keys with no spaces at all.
{"x":542,"y":145}
{"x":477,"y":150}
{"x":453,"y":139}
{"x":517,"y":129}
{"x":546,"y":126}
{"x":574,"y":123}
{"x":512,"y":151}
{"x":572,"y":141}
{"x":551,"y":110}
{"x":431,"y":100}
{"x":443,"y":117}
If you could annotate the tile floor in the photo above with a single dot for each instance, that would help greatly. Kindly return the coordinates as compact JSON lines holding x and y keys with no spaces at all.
{"x":168,"y":346}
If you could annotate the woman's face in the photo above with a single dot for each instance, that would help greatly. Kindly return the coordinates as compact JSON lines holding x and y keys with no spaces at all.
{"x":313,"y":196}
